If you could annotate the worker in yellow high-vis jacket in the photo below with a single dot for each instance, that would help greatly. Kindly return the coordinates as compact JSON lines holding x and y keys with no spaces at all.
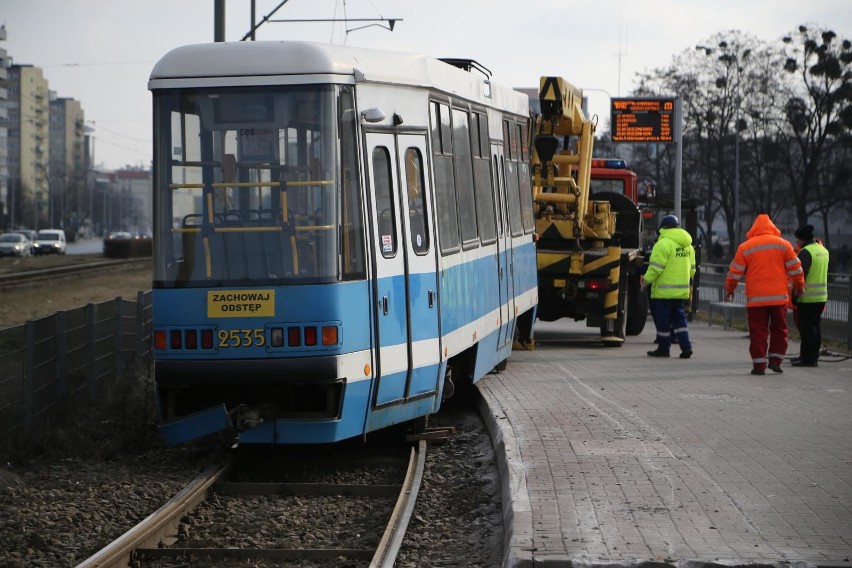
{"x":811,"y":303}
{"x":669,"y":274}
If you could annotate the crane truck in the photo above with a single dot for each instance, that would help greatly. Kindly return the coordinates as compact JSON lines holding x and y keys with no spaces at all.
{"x":588,"y":247}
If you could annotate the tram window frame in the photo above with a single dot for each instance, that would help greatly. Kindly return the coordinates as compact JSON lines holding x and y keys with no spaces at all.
{"x":352,"y":251}
{"x":524,"y":185}
{"x":463,"y":171}
{"x":486,"y":215}
{"x":511,"y":172}
{"x":497,"y":176}
{"x":417,"y":206}
{"x":446,"y":209}
{"x":384,"y":195}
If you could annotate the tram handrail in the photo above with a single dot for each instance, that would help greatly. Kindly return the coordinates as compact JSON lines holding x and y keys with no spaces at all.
{"x":224,"y":184}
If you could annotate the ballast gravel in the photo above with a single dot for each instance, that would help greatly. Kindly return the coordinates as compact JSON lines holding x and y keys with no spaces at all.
{"x":57,"y":513}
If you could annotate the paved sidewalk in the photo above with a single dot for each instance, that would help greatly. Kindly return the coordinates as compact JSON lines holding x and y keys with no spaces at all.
{"x":616,"y":458}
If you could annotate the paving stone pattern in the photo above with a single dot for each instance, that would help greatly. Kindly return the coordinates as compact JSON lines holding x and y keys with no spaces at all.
{"x":614,"y":457}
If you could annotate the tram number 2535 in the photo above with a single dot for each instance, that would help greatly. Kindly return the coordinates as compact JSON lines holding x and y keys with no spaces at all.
{"x":241,"y":338}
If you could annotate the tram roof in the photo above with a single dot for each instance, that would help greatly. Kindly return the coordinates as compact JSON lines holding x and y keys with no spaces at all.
{"x":272,"y":62}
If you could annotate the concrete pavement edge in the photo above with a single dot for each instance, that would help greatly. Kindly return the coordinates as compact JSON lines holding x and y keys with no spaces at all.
{"x":517,"y":515}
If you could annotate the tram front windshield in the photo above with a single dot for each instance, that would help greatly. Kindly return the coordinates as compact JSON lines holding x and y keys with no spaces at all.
{"x":256,"y":185}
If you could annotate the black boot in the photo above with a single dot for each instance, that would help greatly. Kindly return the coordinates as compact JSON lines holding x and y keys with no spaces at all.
{"x":658,"y":353}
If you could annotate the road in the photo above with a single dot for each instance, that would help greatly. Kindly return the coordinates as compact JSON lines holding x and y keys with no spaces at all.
{"x":85,"y":246}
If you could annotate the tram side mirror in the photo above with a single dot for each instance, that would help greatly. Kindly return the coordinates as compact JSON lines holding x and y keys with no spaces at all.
{"x":373,"y":115}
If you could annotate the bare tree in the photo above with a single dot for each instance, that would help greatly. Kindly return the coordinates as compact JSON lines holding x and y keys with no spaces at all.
{"x":818,"y":114}
{"x":723,"y":86}
{"x":756,"y":140}
{"x":764,"y":188}
{"x":740,"y":120}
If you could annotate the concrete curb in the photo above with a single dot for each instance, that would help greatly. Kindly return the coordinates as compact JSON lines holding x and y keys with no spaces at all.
{"x":517,"y":515}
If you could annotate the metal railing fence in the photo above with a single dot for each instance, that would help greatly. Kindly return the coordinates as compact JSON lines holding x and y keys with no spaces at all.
{"x":73,"y":357}
{"x":836,"y":319}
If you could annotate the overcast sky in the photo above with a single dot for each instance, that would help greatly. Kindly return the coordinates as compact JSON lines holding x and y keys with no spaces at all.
{"x":101,"y":52}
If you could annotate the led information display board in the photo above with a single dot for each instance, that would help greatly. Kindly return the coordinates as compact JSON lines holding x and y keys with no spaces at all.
{"x":643,"y":120}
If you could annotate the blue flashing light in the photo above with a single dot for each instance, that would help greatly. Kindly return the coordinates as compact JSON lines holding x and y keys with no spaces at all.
{"x":611,"y":163}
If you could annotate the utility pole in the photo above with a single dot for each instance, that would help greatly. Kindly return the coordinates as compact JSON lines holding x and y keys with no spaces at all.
{"x":737,"y":229}
{"x":219,"y":20}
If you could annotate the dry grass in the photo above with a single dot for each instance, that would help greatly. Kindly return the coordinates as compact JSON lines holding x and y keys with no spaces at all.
{"x":34,"y":301}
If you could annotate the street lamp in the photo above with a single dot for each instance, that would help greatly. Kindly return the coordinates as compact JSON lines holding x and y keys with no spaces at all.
{"x":604,"y":91}
{"x":737,"y":228}
{"x":586,"y":104}
{"x":36,"y":201}
{"x":4,"y":201}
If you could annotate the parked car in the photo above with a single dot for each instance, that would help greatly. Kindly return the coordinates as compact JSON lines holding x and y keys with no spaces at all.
{"x":15,"y":244}
{"x":31,"y":235}
{"x":50,"y":241}
{"x":120,"y":244}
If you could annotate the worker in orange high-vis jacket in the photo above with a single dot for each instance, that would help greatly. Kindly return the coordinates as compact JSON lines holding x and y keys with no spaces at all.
{"x":766,"y":262}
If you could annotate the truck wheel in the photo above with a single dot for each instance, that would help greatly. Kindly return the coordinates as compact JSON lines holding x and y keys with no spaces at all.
{"x":637,"y":301}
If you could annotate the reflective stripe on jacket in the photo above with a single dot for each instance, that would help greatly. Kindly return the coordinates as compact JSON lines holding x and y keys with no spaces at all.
{"x":766,"y":262}
{"x":816,"y":280}
{"x":671,"y":266}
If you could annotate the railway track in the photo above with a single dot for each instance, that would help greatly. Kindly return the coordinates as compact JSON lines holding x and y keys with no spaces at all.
{"x":22,"y":278}
{"x":169,"y":533}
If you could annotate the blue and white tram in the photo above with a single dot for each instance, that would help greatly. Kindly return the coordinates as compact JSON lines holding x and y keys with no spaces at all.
{"x":339,"y":234}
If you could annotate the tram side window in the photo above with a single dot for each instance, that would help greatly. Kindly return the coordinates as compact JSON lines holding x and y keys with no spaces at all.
{"x":485,"y":216}
{"x":186,"y":202}
{"x":511,"y":171}
{"x":497,"y":175}
{"x":354,"y":257}
{"x":524,"y":180}
{"x":183,"y":204}
{"x":464,"y":178}
{"x":418,"y":226}
{"x":445,"y":189}
{"x":383,"y":189}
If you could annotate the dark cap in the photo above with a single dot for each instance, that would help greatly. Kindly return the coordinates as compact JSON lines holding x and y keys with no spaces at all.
{"x":805,"y":233}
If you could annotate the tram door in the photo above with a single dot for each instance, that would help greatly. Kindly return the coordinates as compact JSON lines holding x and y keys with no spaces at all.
{"x":406,"y":285}
{"x":504,"y":244}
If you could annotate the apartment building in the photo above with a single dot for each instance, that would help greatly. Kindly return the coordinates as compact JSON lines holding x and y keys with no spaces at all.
{"x":68,"y":162}
{"x":4,"y":170}
{"x":43,"y":155}
{"x":28,"y":139}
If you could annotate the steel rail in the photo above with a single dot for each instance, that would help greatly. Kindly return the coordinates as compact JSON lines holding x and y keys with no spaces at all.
{"x":30,"y":276}
{"x":163,"y":527}
{"x":388,"y":548}
{"x":160,"y":525}
{"x":383,"y":556}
